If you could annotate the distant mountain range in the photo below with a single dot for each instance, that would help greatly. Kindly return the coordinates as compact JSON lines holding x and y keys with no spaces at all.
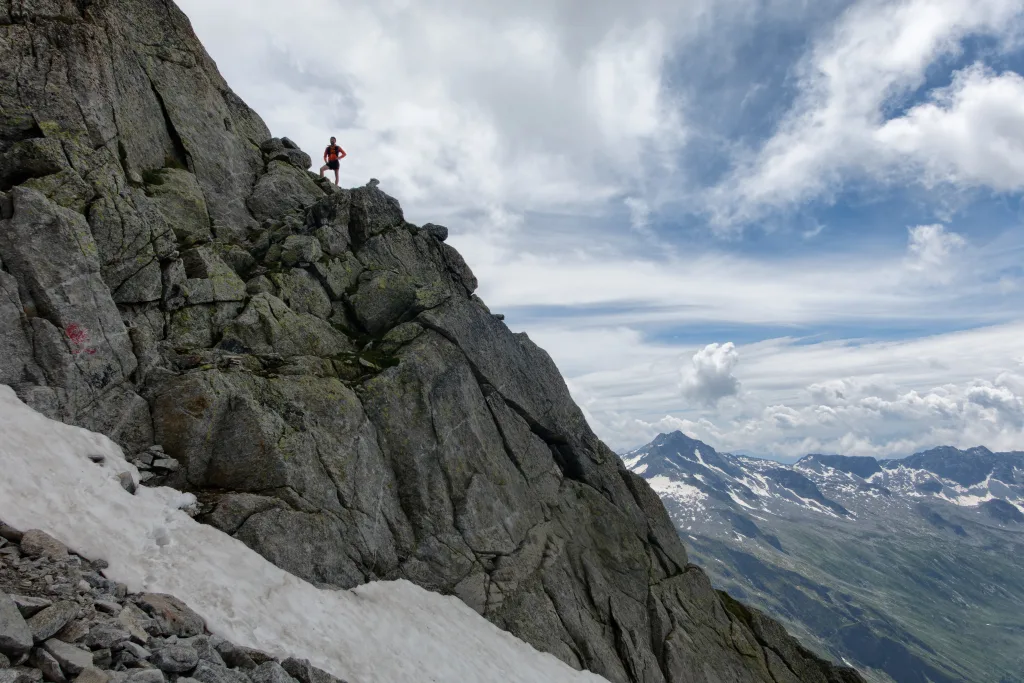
{"x":910,"y":569}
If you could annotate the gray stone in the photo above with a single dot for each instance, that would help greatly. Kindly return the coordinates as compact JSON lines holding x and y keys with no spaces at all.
{"x":10,"y":533}
{"x":176,"y":204}
{"x":211,"y":673}
{"x":15,"y":634}
{"x":339,"y":275}
{"x":267,"y":326}
{"x":300,"y":249}
{"x":270,"y":672}
{"x":134,"y":620}
{"x":108,"y":606}
{"x":147,"y":676}
{"x":175,"y":659}
{"x":29,"y":606}
{"x":72,"y":660}
{"x":373,"y":213}
{"x":303,"y":293}
{"x":52,"y":253}
{"x":44,"y":661}
{"x":103,"y":659}
{"x":105,"y":636}
{"x":137,"y":651}
{"x":205,"y":649}
{"x":304,"y":672}
{"x":36,"y":543}
{"x":74,"y":632}
{"x":52,"y":619}
{"x":209,"y":279}
{"x":438,"y":232}
{"x":172,"y":616}
{"x":234,"y":656}
{"x":282,"y":191}
{"x":20,"y":675}
{"x":93,"y":675}
{"x":169,"y":464}
{"x":127,"y":482}
{"x":328,"y":219}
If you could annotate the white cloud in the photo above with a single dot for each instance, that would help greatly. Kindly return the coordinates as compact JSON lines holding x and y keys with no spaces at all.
{"x":877,"y":55}
{"x":710,"y":378}
{"x":931,"y":250}
{"x":969,"y":134}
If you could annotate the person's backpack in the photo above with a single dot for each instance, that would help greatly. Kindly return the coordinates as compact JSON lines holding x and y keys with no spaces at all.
{"x":333,"y":152}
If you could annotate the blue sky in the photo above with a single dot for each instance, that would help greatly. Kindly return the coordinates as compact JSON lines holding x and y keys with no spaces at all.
{"x":782,"y":226}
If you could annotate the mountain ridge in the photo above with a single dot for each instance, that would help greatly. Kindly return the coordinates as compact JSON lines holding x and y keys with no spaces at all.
{"x":901,"y":584}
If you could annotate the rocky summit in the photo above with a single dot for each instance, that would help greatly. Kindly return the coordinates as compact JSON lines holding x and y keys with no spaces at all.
{"x":314,"y":368}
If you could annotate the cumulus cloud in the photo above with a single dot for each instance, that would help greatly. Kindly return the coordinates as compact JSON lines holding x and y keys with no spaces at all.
{"x":970,"y":133}
{"x":710,"y":378}
{"x":841,"y":125}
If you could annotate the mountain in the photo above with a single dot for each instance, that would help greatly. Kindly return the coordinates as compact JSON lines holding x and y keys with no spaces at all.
{"x":909,"y":569}
{"x":315,"y":369}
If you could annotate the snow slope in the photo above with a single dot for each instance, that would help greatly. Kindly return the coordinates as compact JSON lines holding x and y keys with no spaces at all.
{"x":378,"y":633}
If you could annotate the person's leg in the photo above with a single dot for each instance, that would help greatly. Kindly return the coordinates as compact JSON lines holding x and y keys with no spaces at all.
{"x":323,"y":169}
{"x":336,"y":176}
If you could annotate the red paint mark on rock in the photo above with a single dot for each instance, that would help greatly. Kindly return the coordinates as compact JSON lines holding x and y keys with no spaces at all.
{"x":79,"y":338}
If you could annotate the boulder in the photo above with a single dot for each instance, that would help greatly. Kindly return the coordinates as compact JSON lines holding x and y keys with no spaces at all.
{"x":175,"y":659}
{"x":36,"y":543}
{"x":72,"y":660}
{"x":171,"y":616}
{"x":15,"y":634}
{"x":49,"y":621}
{"x":284,"y":190}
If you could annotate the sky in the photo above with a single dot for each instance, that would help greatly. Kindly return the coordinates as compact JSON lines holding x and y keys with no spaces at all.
{"x":780,"y":226}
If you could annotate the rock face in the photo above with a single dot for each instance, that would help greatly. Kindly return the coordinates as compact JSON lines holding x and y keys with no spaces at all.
{"x":322,"y":371}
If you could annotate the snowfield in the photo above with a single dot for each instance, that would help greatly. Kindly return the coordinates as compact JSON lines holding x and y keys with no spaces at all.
{"x":386,"y":632}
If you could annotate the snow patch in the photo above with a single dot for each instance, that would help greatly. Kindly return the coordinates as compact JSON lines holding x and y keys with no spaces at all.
{"x":630,"y":463}
{"x":683,"y":493}
{"x":387,"y":632}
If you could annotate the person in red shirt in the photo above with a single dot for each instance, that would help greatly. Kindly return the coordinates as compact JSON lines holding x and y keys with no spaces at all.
{"x":332,"y":158}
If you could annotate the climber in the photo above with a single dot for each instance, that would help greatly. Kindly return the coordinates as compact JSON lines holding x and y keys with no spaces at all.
{"x":333,"y":156}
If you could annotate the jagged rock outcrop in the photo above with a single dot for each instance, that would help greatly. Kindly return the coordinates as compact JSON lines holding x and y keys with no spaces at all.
{"x":335,"y":393}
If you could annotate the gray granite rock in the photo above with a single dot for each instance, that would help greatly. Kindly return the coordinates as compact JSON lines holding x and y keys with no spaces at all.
{"x":15,"y":634}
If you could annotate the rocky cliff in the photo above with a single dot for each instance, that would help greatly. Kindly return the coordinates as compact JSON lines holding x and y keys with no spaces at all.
{"x":333,"y":390}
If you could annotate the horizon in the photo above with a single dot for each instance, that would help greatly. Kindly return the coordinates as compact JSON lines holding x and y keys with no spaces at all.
{"x":790,"y":461}
{"x":782,"y":227}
